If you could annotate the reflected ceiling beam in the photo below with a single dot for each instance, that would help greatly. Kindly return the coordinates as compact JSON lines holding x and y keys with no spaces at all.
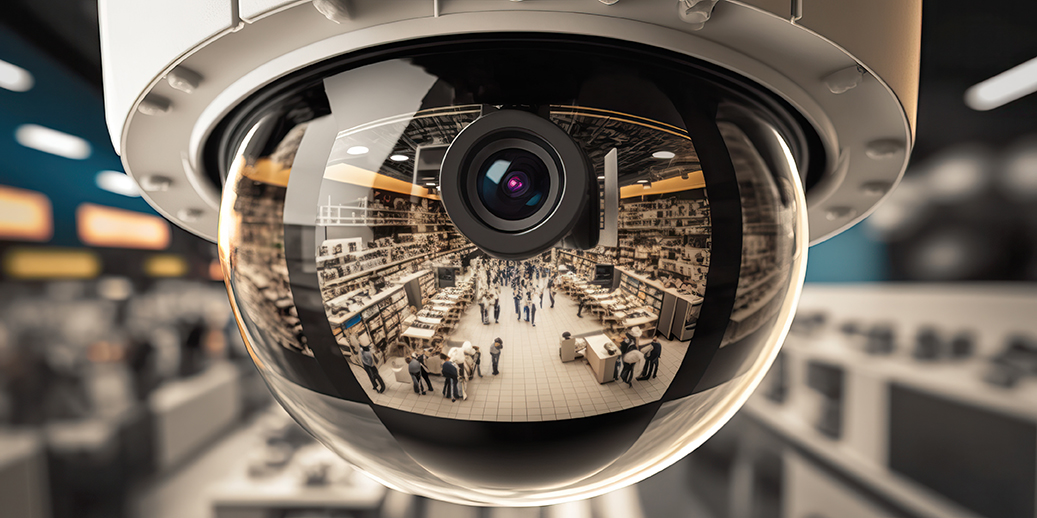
{"x":267,"y":171}
{"x":695,"y":180}
{"x":353,"y":175}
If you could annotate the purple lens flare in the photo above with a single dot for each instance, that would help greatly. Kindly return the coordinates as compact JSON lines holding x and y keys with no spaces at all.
{"x":515,"y":184}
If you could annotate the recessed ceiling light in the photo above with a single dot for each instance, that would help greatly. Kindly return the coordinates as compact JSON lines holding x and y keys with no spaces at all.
{"x":601,"y":178}
{"x":430,"y":184}
{"x":357,"y":150}
{"x":1014,"y":83}
{"x":642,"y":181}
{"x":52,"y":141}
{"x":664,"y":155}
{"x":15,"y":78}
{"x":399,"y":158}
{"x":117,"y":182}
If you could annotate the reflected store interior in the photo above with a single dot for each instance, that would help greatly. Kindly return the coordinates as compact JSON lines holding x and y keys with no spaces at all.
{"x":128,"y":379}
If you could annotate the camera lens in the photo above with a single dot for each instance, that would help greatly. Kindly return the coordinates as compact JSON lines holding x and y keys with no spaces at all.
{"x":511,"y":179}
{"x":516,"y":184}
{"x":513,"y":184}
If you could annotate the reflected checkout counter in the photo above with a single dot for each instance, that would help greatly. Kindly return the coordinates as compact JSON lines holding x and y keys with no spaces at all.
{"x":601,"y":355}
{"x":599,"y":351}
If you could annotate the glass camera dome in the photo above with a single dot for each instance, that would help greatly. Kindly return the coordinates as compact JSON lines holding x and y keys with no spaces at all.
{"x":512,"y":270}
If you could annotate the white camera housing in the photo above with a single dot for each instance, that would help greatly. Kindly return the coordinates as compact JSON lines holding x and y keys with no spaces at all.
{"x":178,"y":72}
{"x":173,"y":69}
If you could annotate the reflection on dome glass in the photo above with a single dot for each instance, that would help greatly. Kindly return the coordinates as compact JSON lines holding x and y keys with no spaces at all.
{"x":379,"y":223}
{"x":432,"y":365}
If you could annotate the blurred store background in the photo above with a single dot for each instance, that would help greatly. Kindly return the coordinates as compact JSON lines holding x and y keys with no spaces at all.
{"x":905,"y":390}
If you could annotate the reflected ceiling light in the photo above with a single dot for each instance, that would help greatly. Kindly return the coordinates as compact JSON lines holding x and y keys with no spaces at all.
{"x":601,"y":178}
{"x":15,"y":78}
{"x":357,"y":150}
{"x":52,"y":141}
{"x":399,"y":158}
{"x":664,"y":155}
{"x":642,"y":181}
{"x":430,"y":184}
{"x":1014,"y":83}
{"x":25,"y":215}
{"x":117,"y":182}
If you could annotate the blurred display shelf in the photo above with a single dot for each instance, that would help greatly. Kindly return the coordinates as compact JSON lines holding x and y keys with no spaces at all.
{"x":911,"y":496}
{"x":24,"y":490}
{"x":882,"y":404}
{"x":191,"y":412}
{"x":244,"y":496}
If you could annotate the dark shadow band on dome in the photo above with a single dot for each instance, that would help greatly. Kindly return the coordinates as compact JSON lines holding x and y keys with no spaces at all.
{"x":314,"y":319}
{"x":726,"y":252}
{"x":472,"y":450}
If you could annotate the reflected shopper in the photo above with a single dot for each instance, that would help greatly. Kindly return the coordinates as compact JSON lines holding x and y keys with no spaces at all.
{"x":424,"y":368}
{"x":628,"y":344}
{"x":495,"y":354}
{"x":477,"y":360}
{"x":450,"y":377}
{"x":372,"y":370}
{"x":652,"y":360}
{"x":414,"y":368}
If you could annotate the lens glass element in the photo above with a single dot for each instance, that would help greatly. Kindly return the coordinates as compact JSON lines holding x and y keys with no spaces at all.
{"x":513,"y":184}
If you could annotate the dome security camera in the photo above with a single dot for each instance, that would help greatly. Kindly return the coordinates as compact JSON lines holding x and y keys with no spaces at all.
{"x":414,"y":199}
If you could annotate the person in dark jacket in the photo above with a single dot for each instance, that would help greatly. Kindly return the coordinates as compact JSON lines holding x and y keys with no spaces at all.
{"x":477,"y":359}
{"x":629,"y":343}
{"x":424,"y":369}
{"x":450,"y":374}
{"x":652,"y":361}
{"x":495,"y":354}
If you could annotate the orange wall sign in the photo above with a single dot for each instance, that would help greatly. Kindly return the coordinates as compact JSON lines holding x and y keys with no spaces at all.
{"x":109,"y":227}
{"x":25,"y":215}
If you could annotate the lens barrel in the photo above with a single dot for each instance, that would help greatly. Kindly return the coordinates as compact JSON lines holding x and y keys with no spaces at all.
{"x":516,"y":184}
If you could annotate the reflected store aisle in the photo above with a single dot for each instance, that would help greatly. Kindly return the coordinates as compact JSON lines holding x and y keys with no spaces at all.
{"x":534,"y":384}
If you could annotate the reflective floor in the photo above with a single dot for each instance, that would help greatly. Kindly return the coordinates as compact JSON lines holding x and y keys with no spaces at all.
{"x":533,"y":384}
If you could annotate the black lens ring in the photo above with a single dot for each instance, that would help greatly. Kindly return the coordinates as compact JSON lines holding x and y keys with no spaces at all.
{"x":494,"y":144}
{"x":574,"y":171}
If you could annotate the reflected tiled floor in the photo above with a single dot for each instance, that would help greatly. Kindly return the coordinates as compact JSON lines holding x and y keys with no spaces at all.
{"x":533,"y":384}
